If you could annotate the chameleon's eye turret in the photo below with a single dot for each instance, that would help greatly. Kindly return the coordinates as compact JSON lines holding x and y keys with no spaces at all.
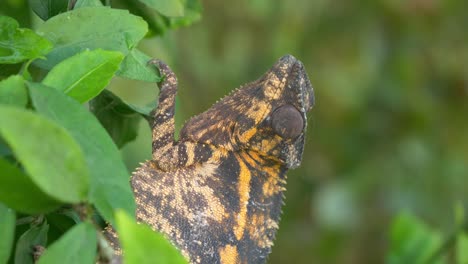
{"x":287,"y":122}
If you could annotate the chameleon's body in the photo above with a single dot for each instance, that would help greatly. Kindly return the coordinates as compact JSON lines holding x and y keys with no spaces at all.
{"x":217,"y":192}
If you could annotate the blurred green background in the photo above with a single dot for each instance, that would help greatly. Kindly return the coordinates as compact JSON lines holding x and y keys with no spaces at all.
{"x":388,"y":133}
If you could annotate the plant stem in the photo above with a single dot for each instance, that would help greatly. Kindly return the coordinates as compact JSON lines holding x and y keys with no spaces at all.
{"x":448,"y":243}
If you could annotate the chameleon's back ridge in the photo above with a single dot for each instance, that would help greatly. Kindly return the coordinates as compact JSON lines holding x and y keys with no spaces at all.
{"x":217,"y":192}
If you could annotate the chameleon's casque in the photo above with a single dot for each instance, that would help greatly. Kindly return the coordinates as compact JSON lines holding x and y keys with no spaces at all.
{"x":217,"y":192}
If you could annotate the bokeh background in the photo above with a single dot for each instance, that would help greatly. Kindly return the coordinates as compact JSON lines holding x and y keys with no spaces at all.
{"x":388,"y":133}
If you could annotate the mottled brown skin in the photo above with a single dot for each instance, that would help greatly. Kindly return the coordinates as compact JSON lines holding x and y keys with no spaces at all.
{"x":217,"y":192}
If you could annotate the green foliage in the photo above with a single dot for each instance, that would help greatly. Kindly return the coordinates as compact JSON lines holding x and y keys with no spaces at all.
{"x":87,"y":3}
{"x":461,"y":236}
{"x":77,"y":246}
{"x":60,"y":164}
{"x":166,"y":7}
{"x":118,"y":118}
{"x":21,"y":193}
{"x":192,"y":12}
{"x":462,"y":248}
{"x":88,"y":73}
{"x":13,"y":91}
{"x":20,"y":44}
{"x":33,"y":237}
{"x":99,"y":28}
{"x":109,"y":188}
{"x":411,"y":241}
{"x":46,"y":9}
{"x":135,"y":66}
{"x":7,"y":232}
{"x":143,"y":245}
{"x":59,"y":169}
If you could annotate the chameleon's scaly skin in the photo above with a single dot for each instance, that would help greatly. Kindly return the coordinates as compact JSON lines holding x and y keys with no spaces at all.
{"x":217,"y":192}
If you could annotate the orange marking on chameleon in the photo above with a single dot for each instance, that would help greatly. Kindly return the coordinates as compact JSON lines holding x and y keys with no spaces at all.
{"x":229,"y":255}
{"x":247,"y":135}
{"x":244,"y":195}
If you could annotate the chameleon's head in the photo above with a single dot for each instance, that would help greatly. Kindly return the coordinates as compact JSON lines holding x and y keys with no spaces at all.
{"x":267,"y":115}
{"x":274,"y":117}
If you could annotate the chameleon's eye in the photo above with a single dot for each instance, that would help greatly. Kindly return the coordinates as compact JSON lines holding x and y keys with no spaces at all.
{"x":287,"y":122}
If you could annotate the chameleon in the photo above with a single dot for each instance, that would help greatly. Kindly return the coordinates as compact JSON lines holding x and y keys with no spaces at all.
{"x":216,"y":193}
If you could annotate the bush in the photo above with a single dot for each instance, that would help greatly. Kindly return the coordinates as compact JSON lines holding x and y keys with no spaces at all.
{"x":62,"y":175}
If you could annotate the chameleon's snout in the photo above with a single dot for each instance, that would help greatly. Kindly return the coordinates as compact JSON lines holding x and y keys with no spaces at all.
{"x":298,"y":79}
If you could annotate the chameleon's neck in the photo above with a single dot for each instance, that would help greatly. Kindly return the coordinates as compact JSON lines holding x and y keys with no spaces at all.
{"x":256,"y":198}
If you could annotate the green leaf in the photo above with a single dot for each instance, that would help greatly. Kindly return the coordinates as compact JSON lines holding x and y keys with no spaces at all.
{"x":49,"y":155}
{"x":171,"y":8}
{"x":110,"y":188}
{"x":462,"y":235}
{"x":159,"y":23}
{"x":118,"y":118}
{"x":13,"y":91}
{"x":411,"y":241}
{"x":192,"y":14}
{"x":87,"y":3}
{"x":135,"y":66}
{"x":78,"y":246}
{"x":46,"y":9}
{"x":110,"y":100}
{"x":144,"y":111}
{"x":35,"y":236}
{"x":18,"y":191}
{"x":84,"y":75}
{"x":462,"y":248}
{"x":142,"y":245}
{"x":459,"y":213}
{"x":20,"y":44}
{"x":7,"y":232}
{"x":91,"y":28}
